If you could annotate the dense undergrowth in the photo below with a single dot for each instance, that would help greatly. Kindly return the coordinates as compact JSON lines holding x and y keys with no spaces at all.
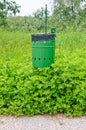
{"x":60,"y":88}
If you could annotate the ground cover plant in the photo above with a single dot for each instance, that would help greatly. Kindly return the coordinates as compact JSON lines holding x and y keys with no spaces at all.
{"x":60,"y":88}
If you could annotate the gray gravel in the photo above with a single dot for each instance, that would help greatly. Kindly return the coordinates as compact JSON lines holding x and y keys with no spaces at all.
{"x":46,"y":122}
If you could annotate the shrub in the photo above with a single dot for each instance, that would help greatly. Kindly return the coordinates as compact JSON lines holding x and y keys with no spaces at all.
{"x":60,"y":88}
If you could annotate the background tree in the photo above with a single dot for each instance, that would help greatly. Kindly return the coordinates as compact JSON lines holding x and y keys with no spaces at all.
{"x":39,"y":19}
{"x":67,"y":12}
{"x":7,"y":8}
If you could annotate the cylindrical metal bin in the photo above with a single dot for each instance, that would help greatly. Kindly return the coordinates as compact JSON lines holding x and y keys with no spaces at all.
{"x":43,"y":50}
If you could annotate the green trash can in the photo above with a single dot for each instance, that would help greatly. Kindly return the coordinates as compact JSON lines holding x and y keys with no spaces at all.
{"x":43,"y":50}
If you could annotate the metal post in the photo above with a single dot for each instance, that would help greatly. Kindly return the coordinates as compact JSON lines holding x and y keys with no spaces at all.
{"x":46,"y":18}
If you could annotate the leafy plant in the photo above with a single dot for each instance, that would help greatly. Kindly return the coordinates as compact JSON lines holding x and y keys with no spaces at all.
{"x":60,"y":88}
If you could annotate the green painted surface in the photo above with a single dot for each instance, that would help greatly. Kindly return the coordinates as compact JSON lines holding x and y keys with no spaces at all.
{"x":43,"y":53}
{"x":53,"y":30}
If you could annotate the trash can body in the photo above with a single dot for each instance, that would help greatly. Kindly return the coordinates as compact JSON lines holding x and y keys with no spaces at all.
{"x":43,"y":50}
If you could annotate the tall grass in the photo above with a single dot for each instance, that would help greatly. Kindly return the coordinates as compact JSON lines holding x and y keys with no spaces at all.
{"x":17,"y":44}
{"x":71,"y":40}
{"x":14,"y":44}
{"x":21,"y":39}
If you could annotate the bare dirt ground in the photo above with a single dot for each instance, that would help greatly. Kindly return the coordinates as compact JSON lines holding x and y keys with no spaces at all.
{"x":45,"y":122}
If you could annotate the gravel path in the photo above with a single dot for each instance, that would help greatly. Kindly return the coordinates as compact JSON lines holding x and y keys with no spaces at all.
{"x":46,"y":122}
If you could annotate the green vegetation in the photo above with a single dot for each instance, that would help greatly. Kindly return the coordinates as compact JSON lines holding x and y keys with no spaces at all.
{"x":7,"y":8}
{"x":69,"y":13}
{"x":58,"y":88}
{"x":66,"y":13}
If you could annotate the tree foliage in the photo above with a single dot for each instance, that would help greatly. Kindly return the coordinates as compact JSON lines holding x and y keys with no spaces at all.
{"x":67,"y":12}
{"x":32,"y":23}
{"x":7,"y":8}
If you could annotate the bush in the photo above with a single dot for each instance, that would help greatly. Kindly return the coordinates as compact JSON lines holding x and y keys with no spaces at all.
{"x":60,"y":88}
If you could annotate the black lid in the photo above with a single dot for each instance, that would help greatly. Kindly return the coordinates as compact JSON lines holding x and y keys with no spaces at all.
{"x":42,"y":37}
